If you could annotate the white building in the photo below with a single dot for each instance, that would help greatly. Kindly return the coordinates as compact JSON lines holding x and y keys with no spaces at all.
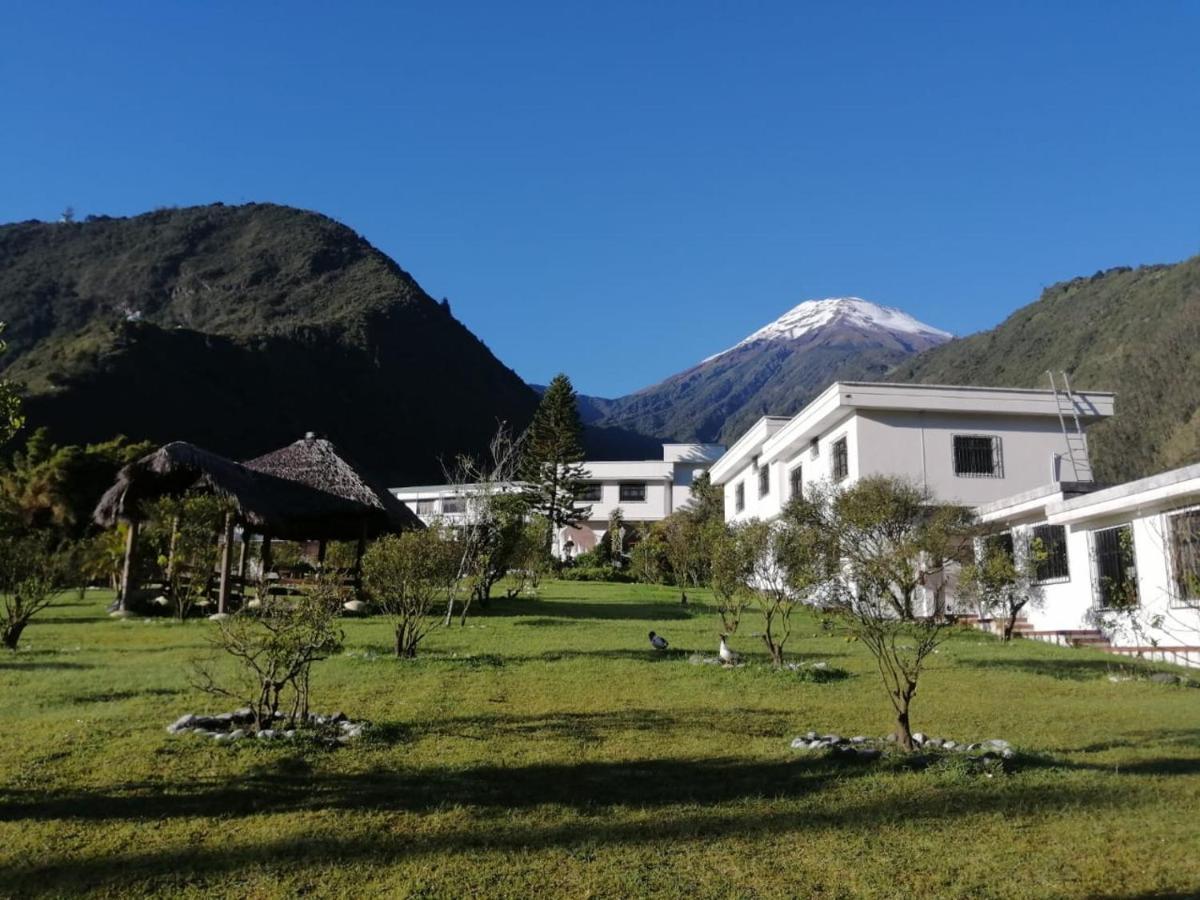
{"x":645,"y":490}
{"x":1123,"y":564}
{"x":962,"y":445}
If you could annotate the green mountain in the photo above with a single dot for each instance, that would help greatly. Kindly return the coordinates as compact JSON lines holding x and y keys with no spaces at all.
{"x":1133,"y":331}
{"x":240,"y":328}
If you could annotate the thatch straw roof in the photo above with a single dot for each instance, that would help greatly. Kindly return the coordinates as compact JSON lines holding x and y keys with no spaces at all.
{"x":263,"y":501}
{"x":315,"y":462}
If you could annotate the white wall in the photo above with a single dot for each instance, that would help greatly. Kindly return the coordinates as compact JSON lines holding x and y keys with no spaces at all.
{"x":920,"y":446}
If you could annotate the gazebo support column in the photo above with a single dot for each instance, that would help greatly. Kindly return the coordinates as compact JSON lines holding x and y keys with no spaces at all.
{"x":171,"y":551}
{"x":127,"y":585}
{"x":358,"y":558}
{"x":322,"y":546}
{"x":226,"y":565}
{"x":243,"y":559}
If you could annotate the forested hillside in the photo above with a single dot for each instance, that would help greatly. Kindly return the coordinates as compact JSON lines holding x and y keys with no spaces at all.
{"x":1133,"y":331}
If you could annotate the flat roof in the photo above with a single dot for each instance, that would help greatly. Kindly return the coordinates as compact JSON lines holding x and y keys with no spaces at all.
{"x":1154,"y":490}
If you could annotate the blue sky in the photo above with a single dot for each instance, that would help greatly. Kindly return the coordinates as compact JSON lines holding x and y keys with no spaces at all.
{"x":618,"y":190}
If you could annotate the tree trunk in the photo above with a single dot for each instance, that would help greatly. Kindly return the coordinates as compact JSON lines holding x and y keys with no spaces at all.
{"x":903,"y":731}
{"x":226,"y":565}
{"x":11,"y":635}
{"x":127,"y":571}
{"x":682,"y":597}
{"x":1009,"y":624}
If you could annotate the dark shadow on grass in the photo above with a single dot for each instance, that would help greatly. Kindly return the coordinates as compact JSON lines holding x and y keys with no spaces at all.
{"x":30,"y":665}
{"x":700,"y":801}
{"x":591,"y":609}
{"x":115,"y":696}
{"x":1057,"y":667}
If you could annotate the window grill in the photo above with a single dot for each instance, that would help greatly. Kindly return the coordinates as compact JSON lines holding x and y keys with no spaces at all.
{"x":796,"y":482}
{"x":633,"y":492}
{"x":454,"y":505}
{"x":978,"y":456}
{"x":739,"y":497}
{"x":1185,"y":555}
{"x":1116,"y":572}
{"x":1053,"y":565}
{"x":1000,"y":543}
{"x":840,"y":460}
{"x":426,"y":507}
{"x":590,"y":493}
{"x":764,"y":481}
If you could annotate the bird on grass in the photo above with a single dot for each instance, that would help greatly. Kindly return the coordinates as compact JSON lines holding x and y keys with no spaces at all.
{"x":658,"y":642}
{"x":728,"y":657}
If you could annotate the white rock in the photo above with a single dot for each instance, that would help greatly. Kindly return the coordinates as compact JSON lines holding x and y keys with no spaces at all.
{"x":222,"y":737}
{"x":997,"y":744}
{"x":237,"y":735}
{"x":858,"y":739}
{"x":290,"y":733}
{"x":799,"y":744}
{"x":919,"y":738}
{"x":266,"y":734}
{"x":355,"y":606}
{"x":949,"y":745}
{"x":218,"y":617}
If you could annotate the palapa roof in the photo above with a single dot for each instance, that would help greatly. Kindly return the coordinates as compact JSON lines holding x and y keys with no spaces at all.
{"x":264,"y":501}
{"x":316,"y":463}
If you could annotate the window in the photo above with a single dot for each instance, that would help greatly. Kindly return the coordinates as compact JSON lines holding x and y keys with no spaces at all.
{"x":739,"y":497}
{"x":1053,"y":550}
{"x":995,"y":544}
{"x":1185,"y":555}
{"x":764,"y":481}
{"x":634,"y":492}
{"x":814,"y":448}
{"x":453,"y":505}
{"x":426,"y":507}
{"x":977,"y":456}
{"x":840,"y":464}
{"x":796,"y":482}
{"x":1116,"y":573}
{"x":590,"y":493}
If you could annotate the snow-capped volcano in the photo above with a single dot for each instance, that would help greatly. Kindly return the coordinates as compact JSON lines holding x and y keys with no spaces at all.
{"x":851,"y":312}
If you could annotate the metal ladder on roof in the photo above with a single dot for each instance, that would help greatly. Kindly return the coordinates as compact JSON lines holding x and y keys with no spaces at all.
{"x":1077,"y":449}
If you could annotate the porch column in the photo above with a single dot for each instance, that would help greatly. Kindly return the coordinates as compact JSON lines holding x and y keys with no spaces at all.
{"x":226,"y":565}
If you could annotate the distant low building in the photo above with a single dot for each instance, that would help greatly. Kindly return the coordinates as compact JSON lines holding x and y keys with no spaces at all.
{"x":645,"y":491}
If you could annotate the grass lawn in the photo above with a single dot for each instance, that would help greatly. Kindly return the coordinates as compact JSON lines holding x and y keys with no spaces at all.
{"x":545,"y":750}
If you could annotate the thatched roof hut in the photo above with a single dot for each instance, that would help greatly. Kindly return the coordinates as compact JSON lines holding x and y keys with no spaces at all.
{"x":316,"y":463}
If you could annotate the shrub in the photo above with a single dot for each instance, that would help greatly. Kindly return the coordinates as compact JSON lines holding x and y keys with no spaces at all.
{"x":596,"y":573}
{"x":411,"y":577}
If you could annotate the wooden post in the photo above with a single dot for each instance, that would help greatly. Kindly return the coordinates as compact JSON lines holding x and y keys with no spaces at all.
{"x":265,"y":555}
{"x":226,"y":564}
{"x":243,"y":553}
{"x":358,"y":556}
{"x":171,"y":550}
{"x":127,"y":571}
{"x":321,"y":551}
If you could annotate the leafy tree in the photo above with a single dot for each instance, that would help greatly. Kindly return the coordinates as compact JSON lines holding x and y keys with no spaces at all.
{"x":729,"y":577}
{"x":529,"y":563}
{"x":11,"y":419}
{"x":31,"y":573}
{"x":552,"y":459}
{"x":648,"y":554}
{"x":686,"y":552}
{"x":192,"y":523}
{"x":411,"y":576}
{"x":50,"y":487}
{"x":1003,"y":583}
{"x":883,"y":544}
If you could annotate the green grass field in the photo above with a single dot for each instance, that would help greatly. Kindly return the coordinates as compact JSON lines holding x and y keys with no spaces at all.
{"x":545,"y":750}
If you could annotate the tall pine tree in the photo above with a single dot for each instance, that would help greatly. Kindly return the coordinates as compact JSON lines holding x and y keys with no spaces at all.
{"x":553,"y":456}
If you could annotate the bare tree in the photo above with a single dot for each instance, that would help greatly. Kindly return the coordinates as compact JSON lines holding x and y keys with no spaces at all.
{"x":274,"y":649}
{"x":491,"y":520}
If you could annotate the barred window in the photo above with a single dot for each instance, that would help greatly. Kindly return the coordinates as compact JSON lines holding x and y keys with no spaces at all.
{"x":633,"y":491}
{"x":796,"y":482}
{"x":426,"y":507}
{"x":590,"y":493}
{"x":1000,"y":543}
{"x":739,"y":497}
{"x":1052,"y":540}
{"x":840,"y":465}
{"x":1116,"y":572}
{"x":978,"y":456}
{"x":454,"y":505}
{"x":764,"y":481}
{"x":1185,"y":555}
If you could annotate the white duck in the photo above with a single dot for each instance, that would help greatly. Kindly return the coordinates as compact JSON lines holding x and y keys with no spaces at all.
{"x":728,"y":657}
